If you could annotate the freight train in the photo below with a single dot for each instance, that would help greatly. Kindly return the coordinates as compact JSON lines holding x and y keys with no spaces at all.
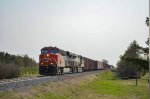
{"x":53,"y":60}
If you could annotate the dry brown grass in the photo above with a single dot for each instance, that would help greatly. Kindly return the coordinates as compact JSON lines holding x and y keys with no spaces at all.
{"x":66,"y":87}
{"x":9,"y":71}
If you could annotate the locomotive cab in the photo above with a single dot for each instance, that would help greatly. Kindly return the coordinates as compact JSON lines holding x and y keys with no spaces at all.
{"x":49,"y":61}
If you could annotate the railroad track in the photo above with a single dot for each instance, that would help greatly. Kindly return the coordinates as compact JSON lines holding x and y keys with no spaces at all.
{"x":18,"y":83}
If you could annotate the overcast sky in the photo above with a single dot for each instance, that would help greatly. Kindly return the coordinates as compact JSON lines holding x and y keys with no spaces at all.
{"x":97,"y":29}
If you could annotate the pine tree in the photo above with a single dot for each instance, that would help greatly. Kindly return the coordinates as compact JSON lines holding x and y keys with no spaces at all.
{"x":126,"y":68}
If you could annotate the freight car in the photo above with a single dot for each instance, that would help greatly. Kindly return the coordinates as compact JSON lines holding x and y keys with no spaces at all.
{"x":53,"y":60}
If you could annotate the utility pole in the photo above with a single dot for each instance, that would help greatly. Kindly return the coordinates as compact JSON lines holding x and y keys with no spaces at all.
{"x":136,"y":74}
{"x":149,"y":49}
{"x":136,"y":68}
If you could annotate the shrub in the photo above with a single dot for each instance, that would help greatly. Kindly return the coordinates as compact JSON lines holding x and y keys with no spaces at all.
{"x":9,"y":71}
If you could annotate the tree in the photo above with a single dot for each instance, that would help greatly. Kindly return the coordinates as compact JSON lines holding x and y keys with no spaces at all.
{"x":147,"y":21}
{"x":143,"y":63}
{"x":127,"y":68}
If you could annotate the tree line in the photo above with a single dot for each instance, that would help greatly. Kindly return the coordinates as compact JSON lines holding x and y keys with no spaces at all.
{"x":12,"y":65}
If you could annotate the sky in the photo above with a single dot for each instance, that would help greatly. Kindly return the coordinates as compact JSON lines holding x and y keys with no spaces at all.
{"x":97,"y":29}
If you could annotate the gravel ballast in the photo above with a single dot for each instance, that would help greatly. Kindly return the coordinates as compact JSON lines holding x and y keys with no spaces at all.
{"x":8,"y":86}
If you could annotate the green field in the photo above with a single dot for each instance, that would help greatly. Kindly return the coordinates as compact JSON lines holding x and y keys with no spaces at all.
{"x":109,"y":86}
{"x":105,"y":85}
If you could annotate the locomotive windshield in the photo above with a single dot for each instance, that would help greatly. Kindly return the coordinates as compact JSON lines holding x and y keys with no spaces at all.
{"x":44,"y":51}
{"x":53,"y":51}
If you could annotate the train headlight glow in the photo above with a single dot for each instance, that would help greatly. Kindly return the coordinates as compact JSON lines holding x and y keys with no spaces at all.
{"x":51,"y":63}
{"x":47,"y":54}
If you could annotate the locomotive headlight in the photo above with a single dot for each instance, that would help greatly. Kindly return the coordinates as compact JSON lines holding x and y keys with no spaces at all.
{"x":41,"y":63}
{"x":51,"y":63}
{"x":47,"y":54}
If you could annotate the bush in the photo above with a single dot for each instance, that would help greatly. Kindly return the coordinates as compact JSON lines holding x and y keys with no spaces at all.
{"x":9,"y":71}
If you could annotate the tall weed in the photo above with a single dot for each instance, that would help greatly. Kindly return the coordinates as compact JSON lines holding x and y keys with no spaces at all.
{"x":9,"y":71}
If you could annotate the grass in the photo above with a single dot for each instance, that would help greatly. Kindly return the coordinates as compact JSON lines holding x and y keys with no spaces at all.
{"x":29,"y":71}
{"x":124,"y":89}
{"x":105,"y":85}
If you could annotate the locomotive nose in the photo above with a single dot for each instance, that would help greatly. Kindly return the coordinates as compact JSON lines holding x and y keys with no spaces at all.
{"x":48,"y":59}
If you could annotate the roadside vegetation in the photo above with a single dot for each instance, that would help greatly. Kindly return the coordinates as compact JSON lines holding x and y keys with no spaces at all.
{"x":135,"y":61}
{"x":105,"y":85}
{"x":30,"y":71}
{"x":12,"y":66}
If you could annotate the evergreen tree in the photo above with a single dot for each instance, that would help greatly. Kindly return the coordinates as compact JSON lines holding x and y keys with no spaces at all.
{"x":126,"y":68}
{"x":143,"y":63}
